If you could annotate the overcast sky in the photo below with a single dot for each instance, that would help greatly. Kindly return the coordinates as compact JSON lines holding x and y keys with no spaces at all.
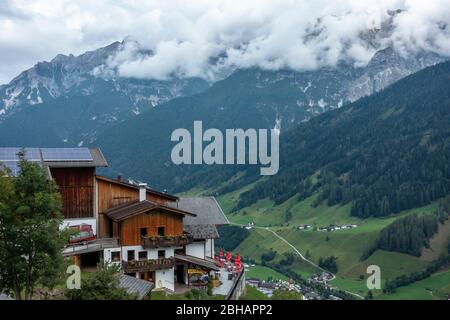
{"x":185,"y":35}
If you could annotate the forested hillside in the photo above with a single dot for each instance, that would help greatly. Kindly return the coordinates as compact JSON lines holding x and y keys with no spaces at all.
{"x":248,"y":98}
{"x":383,"y":154}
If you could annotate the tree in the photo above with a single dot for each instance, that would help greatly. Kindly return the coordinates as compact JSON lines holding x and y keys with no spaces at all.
{"x":101,"y":285}
{"x":268,"y":256}
{"x":30,"y":239}
{"x":307,"y":254}
{"x":369,"y":295}
{"x":287,"y":215}
{"x":288,"y":259}
{"x":328,"y":263}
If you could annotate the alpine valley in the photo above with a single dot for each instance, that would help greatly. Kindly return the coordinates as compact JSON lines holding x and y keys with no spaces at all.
{"x":364,"y":173}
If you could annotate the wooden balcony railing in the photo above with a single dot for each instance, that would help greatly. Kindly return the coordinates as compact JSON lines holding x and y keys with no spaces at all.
{"x":166,"y":241}
{"x":148,"y":265}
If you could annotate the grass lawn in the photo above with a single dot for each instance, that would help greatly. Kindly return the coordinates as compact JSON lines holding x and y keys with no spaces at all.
{"x":347,"y":245}
{"x":391,"y":264}
{"x":253,"y":294}
{"x":262,"y":241}
{"x":349,"y":284}
{"x":435,"y":287}
{"x":263,"y":273}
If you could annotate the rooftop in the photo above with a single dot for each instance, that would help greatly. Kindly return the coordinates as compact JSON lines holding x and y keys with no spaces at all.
{"x":53,"y":157}
{"x":135,"y":186}
{"x":207,"y":210}
{"x":134,"y":285}
{"x":133,"y":208}
{"x":209,"y":215}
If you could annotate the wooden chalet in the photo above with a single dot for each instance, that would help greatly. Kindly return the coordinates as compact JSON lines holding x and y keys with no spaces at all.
{"x":152,"y":235}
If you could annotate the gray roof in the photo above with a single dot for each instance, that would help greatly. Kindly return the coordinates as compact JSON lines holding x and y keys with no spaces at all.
{"x":135,"y":286}
{"x":198,"y":261}
{"x":207,"y":209}
{"x":98,"y":160}
{"x":36,"y":155}
{"x":202,"y":231}
{"x":209,"y":215}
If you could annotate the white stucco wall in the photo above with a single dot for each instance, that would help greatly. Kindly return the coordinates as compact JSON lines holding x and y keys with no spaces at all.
{"x":73,"y":222}
{"x":151,"y":253}
{"x":165,"y":279}
{"x":196,"y":249}
{"x":107,"y":255}
{"x":209,"y":248}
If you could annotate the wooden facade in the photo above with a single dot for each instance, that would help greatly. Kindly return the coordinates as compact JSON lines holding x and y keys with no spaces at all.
{"x":130,"y":229}
{"x":76,"y":186}
{"x":112,"y":193}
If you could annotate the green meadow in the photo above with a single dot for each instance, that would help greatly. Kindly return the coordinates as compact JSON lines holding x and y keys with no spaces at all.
{"x":347,"y":245}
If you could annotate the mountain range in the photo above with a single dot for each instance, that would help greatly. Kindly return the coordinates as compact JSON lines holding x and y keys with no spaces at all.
{"x":250,"y":98}
{"x":362,"y":147}
{"x":68,"y":102}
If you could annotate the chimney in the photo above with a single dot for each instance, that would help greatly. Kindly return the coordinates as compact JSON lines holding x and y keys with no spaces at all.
{"x":119,"y":177}
{"x":142,"y":191}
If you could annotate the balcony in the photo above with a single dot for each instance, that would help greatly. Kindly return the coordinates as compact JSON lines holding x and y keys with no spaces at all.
{"x":166,"y":241}
{"x":148,"y":265}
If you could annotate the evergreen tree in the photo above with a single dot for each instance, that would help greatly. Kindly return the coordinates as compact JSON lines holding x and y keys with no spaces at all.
{"x":30,"y":239}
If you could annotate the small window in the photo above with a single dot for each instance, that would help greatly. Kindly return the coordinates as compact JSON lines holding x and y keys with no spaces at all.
{"x":130,"y":255}
{"x":161,"y":231}
{"x":142,"y":255}
{"x":115,"y":256}
{"x":143,"y":232}
{"x":181,"y":251}
{"x":161,"y":253}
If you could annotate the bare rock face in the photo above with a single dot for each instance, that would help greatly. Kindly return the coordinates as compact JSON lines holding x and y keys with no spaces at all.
{"x":74,"y":76}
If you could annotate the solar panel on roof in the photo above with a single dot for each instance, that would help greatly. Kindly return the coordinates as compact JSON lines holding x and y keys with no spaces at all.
{"x":13,"y":166}
{"x":10,"y":154}
{"x":66,"y":154}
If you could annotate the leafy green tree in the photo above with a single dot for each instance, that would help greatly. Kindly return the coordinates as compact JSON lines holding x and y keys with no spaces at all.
{"x":101,"y":285}
{"x":30,"y":239}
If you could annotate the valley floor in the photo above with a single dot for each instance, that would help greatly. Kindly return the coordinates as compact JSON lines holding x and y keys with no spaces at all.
{"x":273,"y":232}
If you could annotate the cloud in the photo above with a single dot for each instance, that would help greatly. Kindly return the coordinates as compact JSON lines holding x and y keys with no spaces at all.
{"x":208,"y":37}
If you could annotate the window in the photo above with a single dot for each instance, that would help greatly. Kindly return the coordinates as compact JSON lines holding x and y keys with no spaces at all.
{"x":143,"y":232}
{"x":130,"y":255}
{"x":161,"y":231}
{"x":142,"y":255}
{"x":115,"y":256}
{"x":161,"y":253}
{"x":181,"y":251}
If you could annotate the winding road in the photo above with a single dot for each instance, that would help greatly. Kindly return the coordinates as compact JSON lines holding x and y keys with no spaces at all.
{"x":298,"y":253}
